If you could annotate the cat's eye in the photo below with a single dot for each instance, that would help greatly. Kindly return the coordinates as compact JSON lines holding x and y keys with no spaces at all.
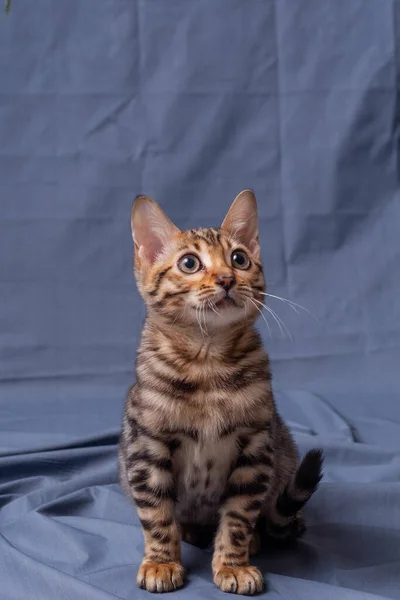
{"x":240,"y":260}
{"x":189,"y":264}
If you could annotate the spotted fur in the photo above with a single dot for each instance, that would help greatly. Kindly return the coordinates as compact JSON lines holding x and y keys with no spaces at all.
{"x":204,"y":452}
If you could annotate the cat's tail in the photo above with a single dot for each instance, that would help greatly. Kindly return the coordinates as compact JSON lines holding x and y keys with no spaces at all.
{"x":284,"y":521}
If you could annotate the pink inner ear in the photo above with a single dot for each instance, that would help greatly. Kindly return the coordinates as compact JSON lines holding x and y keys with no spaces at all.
{"x":151,"y":229}
{"x":254,"y":247}
{"x":142,"y":253}
{"x":151,"y":249}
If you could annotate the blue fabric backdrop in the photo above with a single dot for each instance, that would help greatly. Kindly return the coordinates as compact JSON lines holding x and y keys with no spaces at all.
{"x":191,"y":101}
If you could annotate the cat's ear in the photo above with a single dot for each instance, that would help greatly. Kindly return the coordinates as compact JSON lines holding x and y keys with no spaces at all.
{"x":151,"y":229}
{"x":241,"y":222}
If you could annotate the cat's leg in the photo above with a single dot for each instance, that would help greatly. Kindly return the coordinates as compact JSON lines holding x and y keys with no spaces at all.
{"x":245,"y":495}
{"x":148,"y":469}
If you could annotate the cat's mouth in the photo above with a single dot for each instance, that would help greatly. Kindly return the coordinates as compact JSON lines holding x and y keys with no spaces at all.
{"x":225,"y":301}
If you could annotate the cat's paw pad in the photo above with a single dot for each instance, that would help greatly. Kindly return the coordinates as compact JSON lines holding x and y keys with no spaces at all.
{"x":160,"y":577}
{"x":245,"y":580}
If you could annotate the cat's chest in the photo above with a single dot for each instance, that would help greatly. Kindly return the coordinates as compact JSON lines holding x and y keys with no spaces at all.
{"x":201,"y":472}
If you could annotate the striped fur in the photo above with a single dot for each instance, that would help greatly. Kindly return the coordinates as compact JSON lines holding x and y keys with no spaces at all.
{"x":203,"y":450}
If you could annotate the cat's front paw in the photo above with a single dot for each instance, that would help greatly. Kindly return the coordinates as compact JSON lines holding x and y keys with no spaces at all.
{"x":160,"y":577}
{"x":244,"y":580}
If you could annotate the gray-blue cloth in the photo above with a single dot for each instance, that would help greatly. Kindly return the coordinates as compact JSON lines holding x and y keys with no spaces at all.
{"x":191,"y":101}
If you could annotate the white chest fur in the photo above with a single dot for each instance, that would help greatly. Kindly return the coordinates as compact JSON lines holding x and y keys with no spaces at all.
{"x":201,"y":470}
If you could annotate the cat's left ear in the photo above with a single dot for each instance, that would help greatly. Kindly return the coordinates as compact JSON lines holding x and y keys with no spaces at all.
{"x":151,"y":229}
{"x":241,"y":222}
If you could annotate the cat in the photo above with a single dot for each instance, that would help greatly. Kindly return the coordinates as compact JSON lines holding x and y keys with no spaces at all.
{"x":203,"y":447}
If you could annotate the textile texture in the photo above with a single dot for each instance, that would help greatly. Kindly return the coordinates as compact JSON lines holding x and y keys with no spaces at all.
{"x":190,"y":102}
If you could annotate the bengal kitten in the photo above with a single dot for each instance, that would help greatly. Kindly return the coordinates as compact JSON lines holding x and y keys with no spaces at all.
{"x":202,"y":444}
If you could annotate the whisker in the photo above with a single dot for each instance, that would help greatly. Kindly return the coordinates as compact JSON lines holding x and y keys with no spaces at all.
{"x":198,"y":318}
{"x":277,"y":318}
{"x":292,"y":304}
{"x":280,"y":322}
{"x":204,"y":317}
{"x":261,"y":313}
{"x":212,"y":306}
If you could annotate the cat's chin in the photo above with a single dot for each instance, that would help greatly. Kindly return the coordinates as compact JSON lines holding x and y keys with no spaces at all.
{"x":226,"y":313}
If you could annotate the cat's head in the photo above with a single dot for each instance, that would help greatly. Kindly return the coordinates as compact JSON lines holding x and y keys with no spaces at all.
{"x":207,"y":277}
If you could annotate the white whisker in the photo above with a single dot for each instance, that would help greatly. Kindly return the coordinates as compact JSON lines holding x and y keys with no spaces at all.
{"x":204,"y":317}
{"x":261,"y":313}
{"x":280,"y":322}
{"x":212,"y":306}
{"x":292,"y":304}
{"x":198,"y":318}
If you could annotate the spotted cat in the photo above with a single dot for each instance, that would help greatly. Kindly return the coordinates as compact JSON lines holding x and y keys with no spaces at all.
{"x":203,"y":449}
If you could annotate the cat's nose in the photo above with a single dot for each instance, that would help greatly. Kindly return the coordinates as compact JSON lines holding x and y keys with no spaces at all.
{"x":226,"y":281}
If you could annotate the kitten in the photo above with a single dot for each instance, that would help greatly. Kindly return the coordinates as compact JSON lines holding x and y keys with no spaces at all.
{"x":202,"y":444}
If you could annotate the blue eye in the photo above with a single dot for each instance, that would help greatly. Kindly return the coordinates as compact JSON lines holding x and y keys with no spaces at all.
{"x":240,"y":260}
{"x":189,"y":264}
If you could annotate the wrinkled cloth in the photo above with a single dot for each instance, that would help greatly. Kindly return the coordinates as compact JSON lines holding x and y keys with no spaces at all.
{"x":190,"y":102}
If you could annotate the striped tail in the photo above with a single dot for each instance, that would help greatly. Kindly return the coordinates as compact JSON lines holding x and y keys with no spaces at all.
{"x":284,"y":522}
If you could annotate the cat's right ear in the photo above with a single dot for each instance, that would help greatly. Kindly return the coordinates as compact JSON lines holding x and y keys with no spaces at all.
{"x":241,"y":222}
{"x":151,"y":229}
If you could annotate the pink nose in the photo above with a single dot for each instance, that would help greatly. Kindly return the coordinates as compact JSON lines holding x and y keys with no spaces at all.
{"x":226,"y":281}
